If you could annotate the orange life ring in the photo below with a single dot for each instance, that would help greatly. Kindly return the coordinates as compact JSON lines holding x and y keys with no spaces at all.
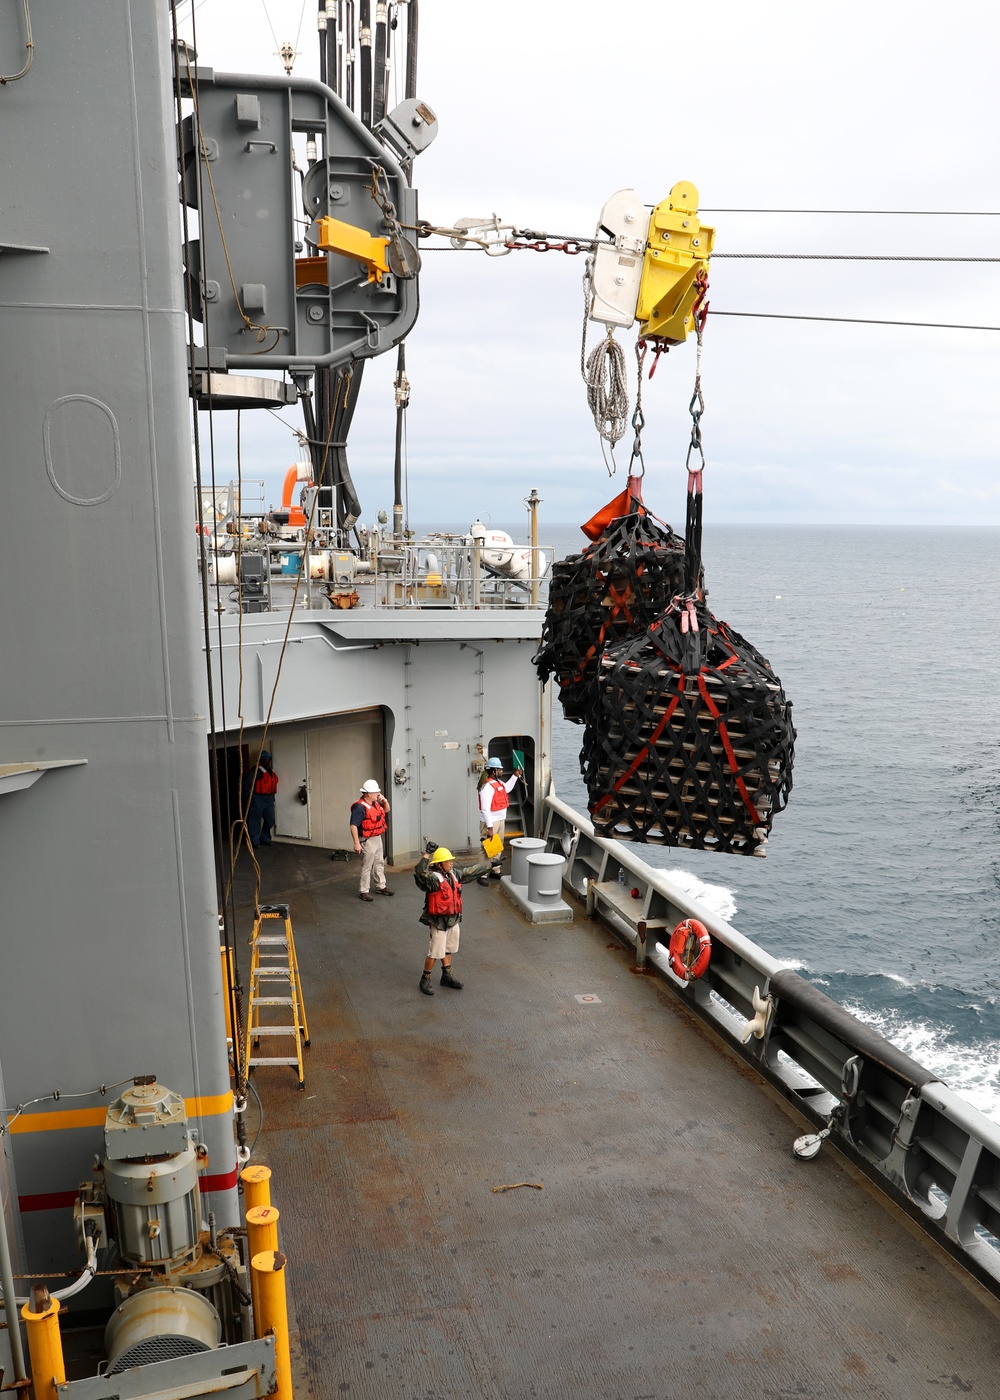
{"x":690,"y":950}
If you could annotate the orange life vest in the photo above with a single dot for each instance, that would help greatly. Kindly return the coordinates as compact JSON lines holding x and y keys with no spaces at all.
{"x":266,"y":784}
{"x":374,"y":822}
{"x":500,"y":801}
{"x":447,"y":898}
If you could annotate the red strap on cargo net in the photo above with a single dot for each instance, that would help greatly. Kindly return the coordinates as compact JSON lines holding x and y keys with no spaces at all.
{"x":724,"y":736}
{"x":646,"y":747}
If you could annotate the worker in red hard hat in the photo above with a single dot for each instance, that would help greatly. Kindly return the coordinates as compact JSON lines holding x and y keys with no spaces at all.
{"x":368,"y":826}
{"x":437,"y":876}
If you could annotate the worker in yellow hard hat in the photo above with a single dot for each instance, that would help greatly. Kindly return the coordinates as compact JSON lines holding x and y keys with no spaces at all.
{"x":437,"y":876}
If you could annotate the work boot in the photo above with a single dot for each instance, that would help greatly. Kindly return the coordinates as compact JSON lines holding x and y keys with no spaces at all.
{"x":447,"y":980}
{"x":386,"y":890}
{"x":425,"y":985}
{"x":366,"y":897}
{"x":483,"y":880}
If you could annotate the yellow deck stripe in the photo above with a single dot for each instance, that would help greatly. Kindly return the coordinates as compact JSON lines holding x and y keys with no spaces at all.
{"x":62,"y":1119}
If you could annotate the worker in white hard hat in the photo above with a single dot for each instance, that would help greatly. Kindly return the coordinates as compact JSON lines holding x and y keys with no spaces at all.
{"x":437,"y":875}
{"x":493,"y":804}
{"x":368,"y":826}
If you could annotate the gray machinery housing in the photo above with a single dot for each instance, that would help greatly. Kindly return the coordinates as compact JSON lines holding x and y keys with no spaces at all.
{"x":247,"y":182}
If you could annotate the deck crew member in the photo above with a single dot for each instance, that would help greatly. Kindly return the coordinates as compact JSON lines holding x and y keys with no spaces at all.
{"x":493,"y":804}
{"x":262,"y":785}
{"x":436,"y":875}
{"x":368,"y":826}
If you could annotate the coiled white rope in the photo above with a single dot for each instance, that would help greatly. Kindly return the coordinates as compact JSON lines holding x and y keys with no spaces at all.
{"x":605,"y":376}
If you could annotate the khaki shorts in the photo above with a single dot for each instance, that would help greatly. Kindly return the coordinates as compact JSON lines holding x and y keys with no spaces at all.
{"x":443,"y":940}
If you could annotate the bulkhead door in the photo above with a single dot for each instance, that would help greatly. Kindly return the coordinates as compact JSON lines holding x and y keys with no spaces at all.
{"x":291,"y":763}
{"x":447,"y":792}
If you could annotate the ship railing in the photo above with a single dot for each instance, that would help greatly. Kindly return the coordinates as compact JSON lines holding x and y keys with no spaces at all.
{"x":449,"y":571}
{"x":935,"y":1154}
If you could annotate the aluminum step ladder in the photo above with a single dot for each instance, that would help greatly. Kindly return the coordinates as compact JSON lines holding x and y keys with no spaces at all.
{"x":276,"y":1010}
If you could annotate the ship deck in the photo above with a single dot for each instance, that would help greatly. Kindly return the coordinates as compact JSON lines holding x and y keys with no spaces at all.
{"x":676,"y":1248}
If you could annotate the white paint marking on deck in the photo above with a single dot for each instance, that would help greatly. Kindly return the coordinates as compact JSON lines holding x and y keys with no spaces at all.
{"x":587,"y":998}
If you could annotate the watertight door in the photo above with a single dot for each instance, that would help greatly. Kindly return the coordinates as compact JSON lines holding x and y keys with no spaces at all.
{"x":291,"y":815}
{"x":447,"y":793}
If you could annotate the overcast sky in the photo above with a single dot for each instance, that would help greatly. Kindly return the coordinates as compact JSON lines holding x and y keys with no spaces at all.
{"x":546,"y":109}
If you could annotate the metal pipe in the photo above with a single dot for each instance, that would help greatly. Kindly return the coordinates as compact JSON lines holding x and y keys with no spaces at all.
{"x":381,"y":38}
{"x":365,"y":38}
{"x":44,"y":1344}
{"x":10,"y":1304}
{"x":402,"y":399}
{"x":534,"y":501}
{"x":269,"y":1268}
{"x":411,"y":49}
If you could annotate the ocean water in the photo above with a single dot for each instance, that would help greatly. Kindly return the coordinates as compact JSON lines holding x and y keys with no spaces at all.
{"x":882,"y":879}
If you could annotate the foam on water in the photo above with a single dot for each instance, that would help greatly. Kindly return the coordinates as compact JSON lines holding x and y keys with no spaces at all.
{"x":971,"y":1069}
{"x":717,"y":899}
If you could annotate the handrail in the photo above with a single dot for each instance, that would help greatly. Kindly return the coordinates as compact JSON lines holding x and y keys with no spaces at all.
{"x":933,"y":1153}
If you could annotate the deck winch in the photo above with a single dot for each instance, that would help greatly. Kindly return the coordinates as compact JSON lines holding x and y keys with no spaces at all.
{"x":182,"y":1286}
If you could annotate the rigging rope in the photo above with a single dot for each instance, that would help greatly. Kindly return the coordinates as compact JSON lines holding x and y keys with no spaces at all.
{"x":605,"y":376}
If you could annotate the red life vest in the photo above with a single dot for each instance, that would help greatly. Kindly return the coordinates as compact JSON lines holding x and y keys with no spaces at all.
{"x":374,"y":823}
{"x":447,"y":898}
{"x":266,"y":784}
{"x":500,"y":801}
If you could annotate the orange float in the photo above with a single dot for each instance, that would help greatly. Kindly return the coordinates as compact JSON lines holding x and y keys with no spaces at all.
{"x":690,"y":950}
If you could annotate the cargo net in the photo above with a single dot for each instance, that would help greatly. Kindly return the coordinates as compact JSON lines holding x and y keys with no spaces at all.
{"x":691,"y":741}
{"x":614,"y":589}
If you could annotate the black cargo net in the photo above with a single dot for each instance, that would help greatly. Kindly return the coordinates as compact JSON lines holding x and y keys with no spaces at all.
{"x":688,"y":737}
{"x":691,"y":741}
{"x":614,"y":589}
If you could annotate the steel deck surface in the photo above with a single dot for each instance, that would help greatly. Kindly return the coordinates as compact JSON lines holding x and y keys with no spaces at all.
{"x":676,"y":1248}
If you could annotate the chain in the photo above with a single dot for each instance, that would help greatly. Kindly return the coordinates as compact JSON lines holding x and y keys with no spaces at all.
{"x":497,"y":239}
{"x":638,"y":417}
{"x":542,"y":243}
{"x":699,"y":314}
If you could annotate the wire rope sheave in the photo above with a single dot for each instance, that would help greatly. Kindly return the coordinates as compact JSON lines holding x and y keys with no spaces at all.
{"x":612,"y":590}
{"x":691,"y":742}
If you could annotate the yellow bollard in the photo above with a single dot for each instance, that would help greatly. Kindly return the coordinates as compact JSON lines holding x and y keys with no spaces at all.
{"x":262,"y":1234}
{"x":45,"y":1344}
{"x":256,"y":1186}
{"x":269,"y":1270}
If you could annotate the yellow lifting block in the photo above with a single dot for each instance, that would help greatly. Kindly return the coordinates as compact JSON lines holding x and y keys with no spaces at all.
{"x":678,"y":247}
{"x":338,"y":237}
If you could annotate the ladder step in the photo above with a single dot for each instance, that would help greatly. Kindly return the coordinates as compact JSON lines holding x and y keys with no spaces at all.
{"x":274,"y":1001}
{"x":255,"y":1031}
{"x":273,"y":1060}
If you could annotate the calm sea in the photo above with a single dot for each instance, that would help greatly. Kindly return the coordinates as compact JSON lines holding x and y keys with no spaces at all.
{"x":882,"y":880}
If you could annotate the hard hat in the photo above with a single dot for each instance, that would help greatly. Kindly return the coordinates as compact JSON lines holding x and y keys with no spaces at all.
{"x":494,"y":763}
{"x":370,"y":785}
{"x":442,"y":853}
